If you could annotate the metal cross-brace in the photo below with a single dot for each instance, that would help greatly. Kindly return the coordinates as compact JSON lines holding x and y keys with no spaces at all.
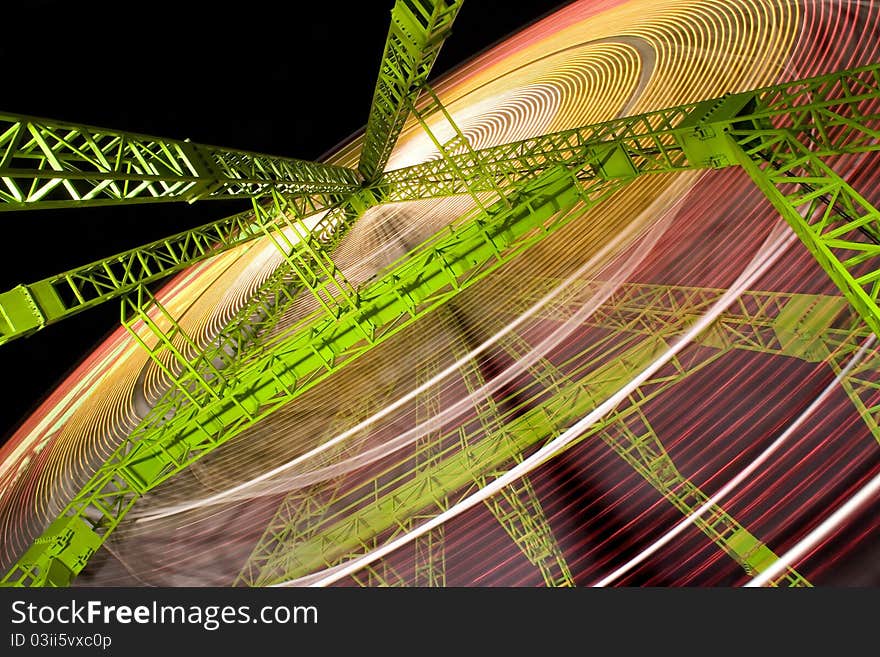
{"x":810,"y":327}
{"x":305,"y":255}
{"x":861,"y":382}
{"x":242,"y":337}
{"x":545,"y":174}
{"x":429,"y":568}
{"x":301,"y":511}
{"x":171,"y":348}
{"x":516,"y":507}
{"x":839,"y":226}
{"x":447,"y":276}
{"x":28,"y":308}
{"x":459,"y":144}
{"x":52,"y":164}
{"x":633,"y":439}
{"x":833,"y":114}
{"x":384,"y":506}
{"x":418,"y":29}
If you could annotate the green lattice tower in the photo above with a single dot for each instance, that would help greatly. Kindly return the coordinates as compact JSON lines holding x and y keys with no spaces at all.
{"x":783,"y":136}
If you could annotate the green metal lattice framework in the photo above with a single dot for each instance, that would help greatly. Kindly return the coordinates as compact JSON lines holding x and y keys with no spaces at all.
{"x":52,"y":164}
{"x":418,"y":29}
{"x":785,"y":137}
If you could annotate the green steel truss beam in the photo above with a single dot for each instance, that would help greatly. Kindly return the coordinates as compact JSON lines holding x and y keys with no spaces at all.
{"x":836,"y":113}
{"x":301,"y":510}
{"x":435,"y":273}
{"x":778,"y":323}
{"x":809,"y":327}
{"x":466,"y":454}
{"x":739,"y":129}
{"x":429,"y":567}
{"x":634,"y":440}
{"x":305,"y":255}
{"x":418,"y":30}
{"x":795,"y":323}
{"x":838,"y":225}
{"x":244,"y":334}
{"x":28,"y":308}
{"x":457,"y":145}
{"x":390,"y":500}
{"x":209,"y":367}
{"x":52,"y":164}
{"x":516,"y":507}
{"x":803,"y":326}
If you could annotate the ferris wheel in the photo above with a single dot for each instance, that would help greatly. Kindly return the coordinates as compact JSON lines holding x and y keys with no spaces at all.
{"x":599,"y":306}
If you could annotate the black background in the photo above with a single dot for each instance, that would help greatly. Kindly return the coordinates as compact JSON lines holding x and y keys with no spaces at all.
{"x":291,"y":78}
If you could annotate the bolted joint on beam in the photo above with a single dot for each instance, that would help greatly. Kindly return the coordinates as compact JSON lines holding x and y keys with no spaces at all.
{"x":57,"y":556}
{"x":362,"y":200}
{"x":19,"y":313}
{"x":703,"y":134}
{"x":26,"y":309}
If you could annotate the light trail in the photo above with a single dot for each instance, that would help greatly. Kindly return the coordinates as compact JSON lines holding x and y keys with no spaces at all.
{"x":731,"y":485}
{"x":825,"y":529}
{"x":752,"y":272}
{"x":587,"y":62}
{"x":466,"y":403}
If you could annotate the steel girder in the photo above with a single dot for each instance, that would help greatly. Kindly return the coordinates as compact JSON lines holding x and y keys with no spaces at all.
{"x":634,"y":440}
{"x":387,"y":509}
{"x":517,"y":508}
{"x":320,"y":345}
{"x":826,"y":115}
{"x":811,"y":327}
{"x":807,"y":327}
{"x":781,"y":143}
{"x":418,"y":30}
{"x":46,"y":163}
{"x":830,"y":114}
{"x":29,"y":308}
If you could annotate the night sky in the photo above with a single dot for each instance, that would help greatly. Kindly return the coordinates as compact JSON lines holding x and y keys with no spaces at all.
{"x":290,"y":79}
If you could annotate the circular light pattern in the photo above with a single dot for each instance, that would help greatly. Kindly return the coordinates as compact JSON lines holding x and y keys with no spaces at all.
{"x":469,"y":371}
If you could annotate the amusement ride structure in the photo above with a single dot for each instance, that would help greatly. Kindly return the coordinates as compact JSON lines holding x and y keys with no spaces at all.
{"x":386,"y":371}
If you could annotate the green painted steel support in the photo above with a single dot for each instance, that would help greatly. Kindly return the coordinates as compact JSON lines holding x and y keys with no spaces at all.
{"x":301,"y":511}
{"x":390,"y":501}
{"x":634,"y":440}
{"x":810,"y":327}
{"x":29,"y":308}
{"x":418,"y":30}
{"x":839,"y":226}
{"x":419,"y":493}
{"x":862,"y":384}
{"x":803,"y":326}
{"x":458,"y":144}
{"x":832,"y":114}
{"x":52,"y":164}
{"x":517,"y":507}
{"x":170,"y":348}
{"x":382,"y":575}
{"x":242,"y":337}
{"x":763,"y":131}
{"x":308,"y":258}
{"x":323,"y":343}
{"x":429,"y":565}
